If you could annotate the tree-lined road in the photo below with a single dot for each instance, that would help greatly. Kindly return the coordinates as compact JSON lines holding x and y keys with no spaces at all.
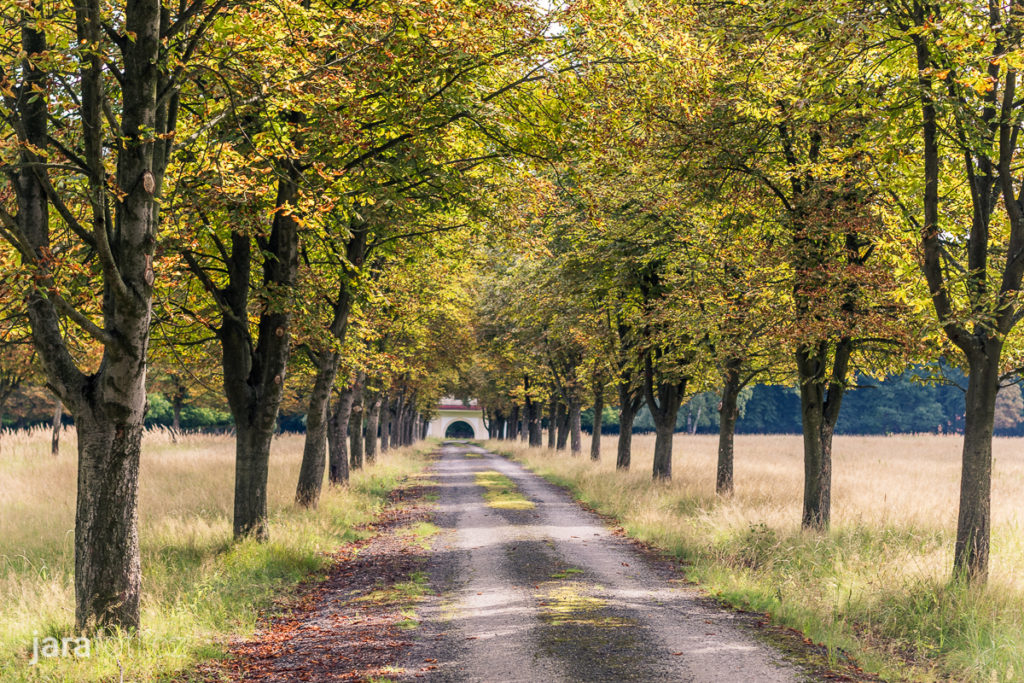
{"x":548,"y":593}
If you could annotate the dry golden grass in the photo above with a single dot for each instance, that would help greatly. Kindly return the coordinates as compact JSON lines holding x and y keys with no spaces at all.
{"x":876,"y":585}
{"x":198,"y":587}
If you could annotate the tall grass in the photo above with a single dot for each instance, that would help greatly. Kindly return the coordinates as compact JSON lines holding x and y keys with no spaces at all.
{"x":877,"y":585}
{"x":199,"y":588}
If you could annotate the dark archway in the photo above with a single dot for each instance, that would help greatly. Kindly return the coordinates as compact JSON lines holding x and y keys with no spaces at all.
{"x":459,"y":430}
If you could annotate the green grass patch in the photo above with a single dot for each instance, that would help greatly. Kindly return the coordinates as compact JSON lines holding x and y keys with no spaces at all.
{"x":402,"y":593}
{"x":420,"y":534}
{"x":501,"y":492}
{"x":566,"y":573}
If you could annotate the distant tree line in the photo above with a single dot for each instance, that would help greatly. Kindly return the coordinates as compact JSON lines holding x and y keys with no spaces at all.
{"x":902,"y":404}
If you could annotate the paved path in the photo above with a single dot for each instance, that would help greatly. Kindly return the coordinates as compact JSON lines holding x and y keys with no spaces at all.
{"x":550,"y":594}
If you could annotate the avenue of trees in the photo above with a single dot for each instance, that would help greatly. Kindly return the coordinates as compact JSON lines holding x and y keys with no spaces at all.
{"x":351,"y":209}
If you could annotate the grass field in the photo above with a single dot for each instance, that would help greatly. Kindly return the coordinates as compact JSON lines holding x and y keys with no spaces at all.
{"x":877,"y":586}
{"x":198,"y":588}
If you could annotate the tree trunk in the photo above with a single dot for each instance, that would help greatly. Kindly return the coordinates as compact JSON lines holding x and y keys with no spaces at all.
{"x":385,"y":424}
{"x":355,"y":429}
{"x":695,"y":420}
{"x":664,"y":432}
{"x":728,"y":413}
{"x":397,"y":422}
{"x":107,"y":566}
{"x":252,"y":465}
{"x":663,"y":400}
{"x":552,"y":423}
{"x":562,"y":416}
{"x":973,"y":530}
{"x":314,"y":448}
{"x":533,"y":426}
{"x":254,"y":374}
{"x":820,"y":399}
{"x":513,"y":424}
{"x":624,"y":448}
{"x":372,"y":425}
{"x":337,"y":438}
{"x":408,"y":426}
{"x":595,"y":434}
{"x":399,"y":437}
{"x":494,"y":427}
{"x":58,"y":415}
{"x":575,"y":437}
{"x":629,"y":404}
{"x":177,"y":403}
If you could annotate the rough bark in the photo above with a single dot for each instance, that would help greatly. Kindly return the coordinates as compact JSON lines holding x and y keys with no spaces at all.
{"x":728,"y":413}
{"x":595,"y":435}
{"x":513,"y":424}
{"x":252,"y":466}
{"x":534,"y":432}
{"x":337,"y":439}
{"x":412,"y":422}
{"x":663,"y":450}
{"x":398,"y":438}
{"x":387,"y":415}
{"x":406,"y":425}
{"x":106,"y":521}
{"x":314,"y":447}
{"x":821,"y":396}
{"x":663,"y":400}
{"x":58,"y":416}
{"x":575,"y":435}
{"x":562,"y":433}
{"x":552,"y":423}
{"x":974,"y":521}
{"x":372,"y":426}
{"x":355,"y":428}
{"x":629,"y":404}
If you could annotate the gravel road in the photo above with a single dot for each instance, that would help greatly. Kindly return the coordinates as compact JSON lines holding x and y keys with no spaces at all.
{"x":550,"y":594}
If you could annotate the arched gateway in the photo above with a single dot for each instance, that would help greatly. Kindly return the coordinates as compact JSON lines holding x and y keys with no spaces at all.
{"x":457,"y":420}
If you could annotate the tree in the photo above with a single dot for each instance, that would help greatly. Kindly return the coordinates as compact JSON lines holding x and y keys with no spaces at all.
{"x":962,"y":72}
{"x":90,"y":191}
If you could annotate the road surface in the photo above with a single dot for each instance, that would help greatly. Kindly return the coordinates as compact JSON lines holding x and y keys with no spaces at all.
{"x":551,"y":594}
